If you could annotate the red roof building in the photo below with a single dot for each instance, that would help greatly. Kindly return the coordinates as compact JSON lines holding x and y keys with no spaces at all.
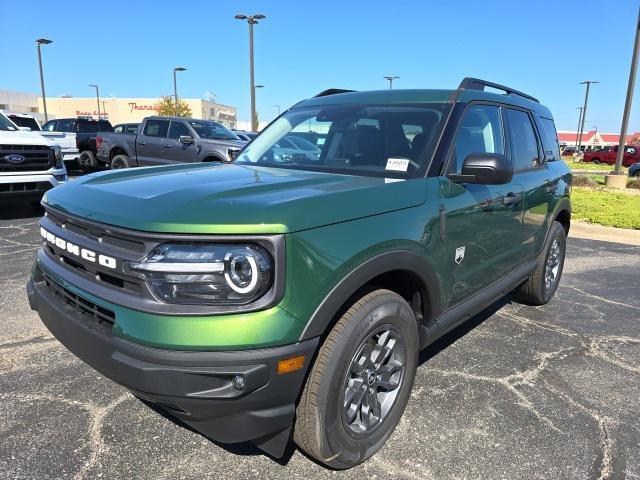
{"x":594,"y":139}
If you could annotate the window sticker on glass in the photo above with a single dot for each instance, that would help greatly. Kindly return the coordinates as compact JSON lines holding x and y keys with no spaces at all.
{"x":397,"y":164}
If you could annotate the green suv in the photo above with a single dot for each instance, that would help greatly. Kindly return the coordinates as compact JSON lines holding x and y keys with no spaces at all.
{"x":284,"y":295}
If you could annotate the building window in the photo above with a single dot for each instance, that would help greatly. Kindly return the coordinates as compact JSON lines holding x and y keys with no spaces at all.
{"x":4,"y":106}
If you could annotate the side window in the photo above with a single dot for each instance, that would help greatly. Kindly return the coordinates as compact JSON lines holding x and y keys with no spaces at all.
{"x":522,"y":140}
{"x":480,"y":132}
{"x":65,"y":125}
{"x":178,"y":129}
{"x":630,"y":150}
{"x":549,"y":139}
{"x":49,"y":126}
{"x":118,"y":129}
{"x":156,"y":128}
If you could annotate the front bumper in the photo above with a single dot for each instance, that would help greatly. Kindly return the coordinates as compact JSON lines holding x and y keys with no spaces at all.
{"x":194,"y":386}
{"x":70,"y":154}
{"x":30,"y":183}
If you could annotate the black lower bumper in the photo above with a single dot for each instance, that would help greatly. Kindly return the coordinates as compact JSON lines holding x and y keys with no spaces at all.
{"x":195,"y":387}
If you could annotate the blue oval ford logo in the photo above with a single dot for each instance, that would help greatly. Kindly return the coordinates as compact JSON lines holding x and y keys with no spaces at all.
{"x":14,"y":158}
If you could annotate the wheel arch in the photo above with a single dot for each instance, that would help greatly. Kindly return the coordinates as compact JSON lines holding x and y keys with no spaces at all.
{"x":402,"y":271}
{"x":562,"y":214}
{"x":213,"y":157}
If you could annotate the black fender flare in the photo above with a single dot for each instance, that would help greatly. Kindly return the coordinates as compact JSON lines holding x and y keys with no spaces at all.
{"x":386,"y":262}
{"x":563,"y":204}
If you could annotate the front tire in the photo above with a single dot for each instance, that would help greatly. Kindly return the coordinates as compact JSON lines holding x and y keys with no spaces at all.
{"x":360,"y":382}
{"x":544,"y":281}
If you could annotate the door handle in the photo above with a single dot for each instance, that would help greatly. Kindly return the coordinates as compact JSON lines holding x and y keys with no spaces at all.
{"x":511,"y":198}
{"x":166,"y":145}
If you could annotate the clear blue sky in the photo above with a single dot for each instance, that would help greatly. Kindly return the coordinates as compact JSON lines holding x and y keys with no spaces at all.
{"x":130,"y":48}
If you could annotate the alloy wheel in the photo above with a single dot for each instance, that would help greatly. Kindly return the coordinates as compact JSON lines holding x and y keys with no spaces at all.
{"x":373,"y":380}
{"x":552,"y":267}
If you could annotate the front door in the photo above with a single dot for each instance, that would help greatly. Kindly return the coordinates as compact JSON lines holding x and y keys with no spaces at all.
{"x":482,"y":222}
{"x":149,"y":143}
{"x":174,"y":151}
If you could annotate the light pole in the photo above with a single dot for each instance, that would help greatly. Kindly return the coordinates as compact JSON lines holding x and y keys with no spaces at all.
{"x":251,"y":20}
{"x":257,"y":120}
{"x":627,"y":103}
{"x":391,"y":78}
{"x":578,"y":129}
{"x":97,"y":98}
{"x":584,"y":110}
{"x":175,"y":87}
{"x":42,"y":41}
{"x":278,"y":107}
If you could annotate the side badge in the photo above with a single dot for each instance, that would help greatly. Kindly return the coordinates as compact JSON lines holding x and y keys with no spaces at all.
{"x":459,"y":254}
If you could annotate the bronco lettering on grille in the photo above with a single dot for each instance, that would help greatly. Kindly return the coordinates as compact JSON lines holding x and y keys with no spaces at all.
{"x":73,"y":249}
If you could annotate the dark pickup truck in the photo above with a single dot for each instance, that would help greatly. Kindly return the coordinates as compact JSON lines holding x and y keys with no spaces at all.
{"x":165,"y":140}
{"x":86,"y":131}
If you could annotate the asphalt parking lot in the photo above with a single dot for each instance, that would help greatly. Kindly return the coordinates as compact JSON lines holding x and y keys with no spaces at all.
{"x":519,"y":392}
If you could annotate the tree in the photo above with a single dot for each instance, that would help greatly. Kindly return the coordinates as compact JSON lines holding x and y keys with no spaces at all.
{"x":166,"y":107}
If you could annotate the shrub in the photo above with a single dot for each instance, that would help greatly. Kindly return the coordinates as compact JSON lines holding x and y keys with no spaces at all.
{"x":583,"y":181}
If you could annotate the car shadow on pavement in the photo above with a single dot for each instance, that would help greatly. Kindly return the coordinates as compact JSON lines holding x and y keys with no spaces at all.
{"x":243,"y":448}
{"x":460,"y":331}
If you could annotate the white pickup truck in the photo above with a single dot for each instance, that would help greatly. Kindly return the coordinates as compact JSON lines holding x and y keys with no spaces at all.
{"x":66,"y":140}
{"x":30,"y":164}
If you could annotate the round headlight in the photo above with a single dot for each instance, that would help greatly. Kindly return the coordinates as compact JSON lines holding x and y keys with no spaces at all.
{"x":242,"y":274}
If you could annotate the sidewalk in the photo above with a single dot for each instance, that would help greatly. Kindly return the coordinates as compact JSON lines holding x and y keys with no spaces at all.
{"x":604,"y":234}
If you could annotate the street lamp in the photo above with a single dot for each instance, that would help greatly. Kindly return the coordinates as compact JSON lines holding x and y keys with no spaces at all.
{"x":584,"y":110}
{"x":578,"y":129}
{"x":391,"y":78}
{"x":627,"y":106}
{"x":97,"y":98}
{"x":251,"y":20}
{"x":42,"y":41}
{"x":175,"y":87}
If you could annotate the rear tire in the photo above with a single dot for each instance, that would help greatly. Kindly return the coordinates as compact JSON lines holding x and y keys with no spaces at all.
{"x":360,"y":382}
{"x":119,"y":161}
{"x":544,"y":281}
{"x":87,"y":161}
{"x":596,"y":161}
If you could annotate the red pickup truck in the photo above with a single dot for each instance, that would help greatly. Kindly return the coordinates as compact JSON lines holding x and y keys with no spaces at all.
{"x":608,"y":156}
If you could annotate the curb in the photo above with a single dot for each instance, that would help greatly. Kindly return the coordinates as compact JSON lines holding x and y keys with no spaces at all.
{"x":604,"y":234}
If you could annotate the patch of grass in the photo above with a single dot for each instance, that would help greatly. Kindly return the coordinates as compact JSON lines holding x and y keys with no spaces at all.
{"x":589,"y":166}
{"x":606,"y":208}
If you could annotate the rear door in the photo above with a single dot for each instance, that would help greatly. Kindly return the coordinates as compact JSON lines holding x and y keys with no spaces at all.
{"x":174,"y":151}
{"x":149,"y":142}
{"x":532,"y":173}
{"x":483,"y":222}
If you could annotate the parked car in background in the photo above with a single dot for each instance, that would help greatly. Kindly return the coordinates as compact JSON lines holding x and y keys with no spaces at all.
{"x":165,"y":140}
{"x":65,"y":140}
{"x":569,"y":151}
{"x":608,"y":156}
{"x":243,"y":135}
{"x":86,"y":131}
{"x":30,"y":164}
{"x":292,"y":149}
{"x":126,"y":128}
{"x":634,"y":170}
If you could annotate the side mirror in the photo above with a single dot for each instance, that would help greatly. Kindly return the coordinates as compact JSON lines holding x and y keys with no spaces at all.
{"x":186,"y":139}
{"x":25,"y":129}
{"x":485,"y":169}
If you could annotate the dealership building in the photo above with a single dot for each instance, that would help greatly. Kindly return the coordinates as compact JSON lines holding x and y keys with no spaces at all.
{"x":133,"y":110}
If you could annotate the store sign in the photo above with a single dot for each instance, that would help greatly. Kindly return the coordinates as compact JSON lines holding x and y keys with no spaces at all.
{"x":91,"y":114}
{"x":134,"y":106}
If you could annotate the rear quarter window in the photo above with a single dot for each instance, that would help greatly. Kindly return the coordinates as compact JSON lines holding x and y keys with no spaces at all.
{"x":549,"y":139}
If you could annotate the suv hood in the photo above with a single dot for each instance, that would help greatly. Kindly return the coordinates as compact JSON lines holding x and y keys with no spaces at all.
{"x":22,"y":137}
{"x":229,"y":198}
{"x":223,"y":142}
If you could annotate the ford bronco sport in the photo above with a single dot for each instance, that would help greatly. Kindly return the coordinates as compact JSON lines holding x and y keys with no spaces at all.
{"x":274,"y":294}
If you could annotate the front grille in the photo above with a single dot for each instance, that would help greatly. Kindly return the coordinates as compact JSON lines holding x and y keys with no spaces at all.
{"x":36,"y":158}
{"x":24,"y":187}
{"x":91,"y":312}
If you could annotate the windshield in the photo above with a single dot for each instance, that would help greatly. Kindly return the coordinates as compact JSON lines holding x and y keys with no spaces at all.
{"x":386,"y":141}
{"x":25,"y":122}
{"x":6,"y":125}
{"x":212,"y":130}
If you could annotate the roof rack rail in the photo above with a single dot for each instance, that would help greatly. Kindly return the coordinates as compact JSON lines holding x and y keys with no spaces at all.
{"x":470,"y":83}
{"x":332,"y":91}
